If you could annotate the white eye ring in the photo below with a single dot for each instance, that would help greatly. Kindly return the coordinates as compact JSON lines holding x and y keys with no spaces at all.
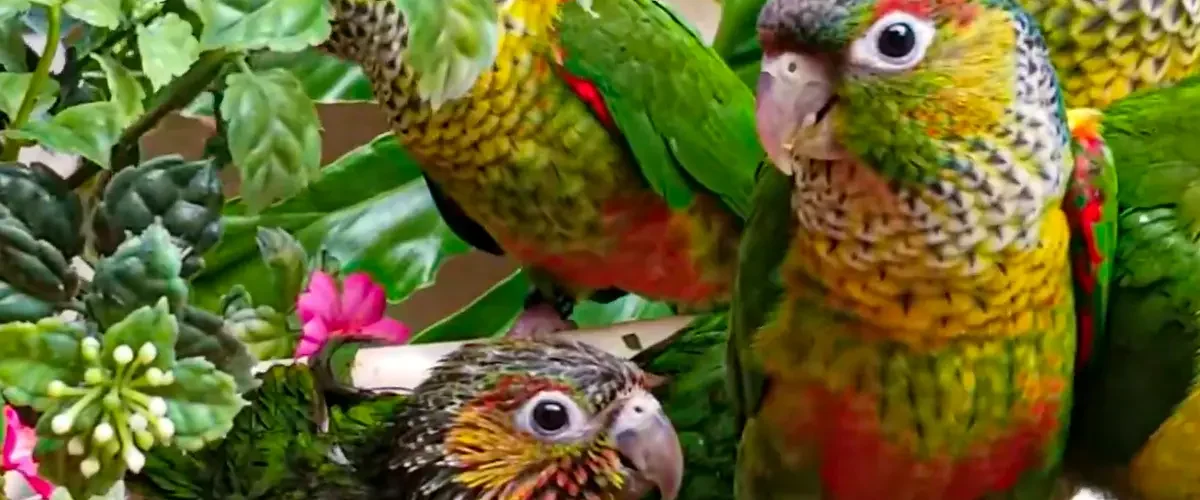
{"x":915,"y":36}
{"x":552,"y":416}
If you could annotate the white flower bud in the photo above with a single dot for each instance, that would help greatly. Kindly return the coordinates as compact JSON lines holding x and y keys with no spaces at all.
{"x":134,"y":459}
{"x":56,"y":388}
{"x":62,"y":423}
{"x":89,"y":467}
{"x":93,"y":376}
{"x":90,"y":348}
{"x":123,"y":354}
{"x":158,"y":406}
{"x":102,"y":433}
{"x":137,"y":422}
{"x":165,"y":428}
{"x":75,"y":447}
{"x":147,"y":353}
{"x":157,"y":377}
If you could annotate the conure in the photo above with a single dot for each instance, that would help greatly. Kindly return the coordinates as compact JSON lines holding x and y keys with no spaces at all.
{"x":905,"y":321}
{"x":600,"y":143}
{"x":1102,"y":49}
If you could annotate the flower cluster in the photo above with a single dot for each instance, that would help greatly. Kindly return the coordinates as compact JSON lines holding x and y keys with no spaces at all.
{"x":355,"y":311}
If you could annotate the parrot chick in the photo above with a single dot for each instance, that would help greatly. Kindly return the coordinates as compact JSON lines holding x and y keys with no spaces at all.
{"x":524,"y":420}
{"x":922,"y":340}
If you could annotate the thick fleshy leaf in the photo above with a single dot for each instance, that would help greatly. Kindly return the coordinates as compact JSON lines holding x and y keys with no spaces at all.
{"x":371,"y":211}
{"x":201,"y":403}
{"x":34,"y":354}
{"x":13,"y":87}
{"x":168,"y":49}
{"x":18,"y":306}
{"x":102,"y":13}
{"x":124,"y":89}
{"x":60,"y":467}
{"x":264,"y":330}
{"x":286,"y":258}
{"x":147,"y":325}
{"x":489,"y":315}
{"x":631,"y":307}
{"x":279,"y":25}
{"x":89,"y":130}
{"x":274,"y":135}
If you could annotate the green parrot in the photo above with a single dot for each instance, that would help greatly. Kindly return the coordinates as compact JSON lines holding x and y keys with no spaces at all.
{"x":513,"y":419}
{"x":925,"y":263}
{"x":600,"y":143}
{"x":1103,"y":50}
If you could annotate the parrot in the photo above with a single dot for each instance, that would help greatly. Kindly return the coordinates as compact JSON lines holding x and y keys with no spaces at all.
{"x":924,"y":270}
{"x":600,"y":144}
{"x":1102,"y":50}
{"x":551,"y":418}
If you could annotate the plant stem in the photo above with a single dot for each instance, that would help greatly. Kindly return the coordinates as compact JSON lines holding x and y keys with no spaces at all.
{"x":12,"y":147}
{"x":179,"y":93}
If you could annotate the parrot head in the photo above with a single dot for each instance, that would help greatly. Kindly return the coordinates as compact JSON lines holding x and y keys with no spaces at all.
{"x":913,"y":89}
{"x":553,"y":419}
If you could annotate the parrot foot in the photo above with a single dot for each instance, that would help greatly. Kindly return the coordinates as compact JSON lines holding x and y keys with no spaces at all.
{"x":538,"y":320}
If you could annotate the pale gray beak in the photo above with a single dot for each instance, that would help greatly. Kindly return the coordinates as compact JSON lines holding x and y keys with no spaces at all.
{"x":647,"y":440}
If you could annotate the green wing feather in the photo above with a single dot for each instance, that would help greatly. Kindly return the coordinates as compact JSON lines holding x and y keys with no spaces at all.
{"x":687,"y":118}
{"x":758,"y":288}
{"x":736,"y":40}
{"x":1147,"y":363}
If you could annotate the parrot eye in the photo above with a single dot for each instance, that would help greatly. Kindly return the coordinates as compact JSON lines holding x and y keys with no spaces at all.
{"x":896,"y":42}
{"x":552,"y":414}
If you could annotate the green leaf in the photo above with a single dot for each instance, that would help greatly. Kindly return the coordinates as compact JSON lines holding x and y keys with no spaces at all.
{"x":201,"y":403}
{"x":102,"y":13}
{"x":631,"y":307}
{"x":489,"y":315}
{"x":89,"y":130}
{"x":264,"y":330}
{"x":274,"y":135}
{"x":279,"y":25}
{"x":370,"y":210}
{"x":124,"y":89}
{"x":33,"y":354}
{"x":325,"y":78}
{"x":146,"y":325}
{"x":450,"y":43}
{"x":286,"y":258}
{"x":12,"y":44}
{"x":13,"y":87}
{"x":207,"y":335}
{"x":58,"y":466}
{"x":168,"y":49}
{"x":18,"y":306}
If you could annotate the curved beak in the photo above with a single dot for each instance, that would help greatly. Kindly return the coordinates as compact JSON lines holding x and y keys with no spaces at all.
{"x":795,"y":99}
{"x":648,"y":443}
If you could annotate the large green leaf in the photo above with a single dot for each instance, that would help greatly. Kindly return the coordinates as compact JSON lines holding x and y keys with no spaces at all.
{"x":489,"y":315}
{"x":370,"y":211}
{"x":13,"y":87}
{"x":280,"y":25}
{"x":102,"y":13}
{"x":326,"y":79}
{"x":167,"y":48}
{"x":274,"y":135}
{"x":12,"y":45}
{"x":88,"y":129}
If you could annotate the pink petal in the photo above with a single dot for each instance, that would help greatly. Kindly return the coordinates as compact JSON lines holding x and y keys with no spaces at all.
{"x":12,"y":434}
{"x":363,"y":301}
{"x":315,"y":334}
{"x":319,"y":300}
{"x":41,"y":486}
{"x":387,"y":329}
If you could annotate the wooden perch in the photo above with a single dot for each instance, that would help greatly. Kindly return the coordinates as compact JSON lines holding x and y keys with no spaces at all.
{"x":402,"y":367}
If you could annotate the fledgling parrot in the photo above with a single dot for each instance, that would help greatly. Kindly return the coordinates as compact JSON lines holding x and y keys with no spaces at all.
{"x":507,"y":420}
{"x":905,"y":321}
{"x":1102,"y":49}
{"x":600,"y":143}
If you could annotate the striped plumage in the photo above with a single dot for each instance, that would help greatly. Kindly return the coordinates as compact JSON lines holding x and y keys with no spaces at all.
{"x":922,"y":341}
{"x":468,"y":431}
{"x":542,"y":156}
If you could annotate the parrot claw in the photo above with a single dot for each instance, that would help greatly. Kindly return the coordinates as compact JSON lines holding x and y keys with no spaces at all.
{"x":538,"y":321}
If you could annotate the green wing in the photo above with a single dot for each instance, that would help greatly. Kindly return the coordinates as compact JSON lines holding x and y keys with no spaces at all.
{"x":758,"y":287}
{"x":687,"y":118}
{"x":1147,"y":363}
{"x":737,"y":38}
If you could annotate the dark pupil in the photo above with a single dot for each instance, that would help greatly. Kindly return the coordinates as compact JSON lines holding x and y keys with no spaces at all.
{"x":550,"y":416}
{"x":897,"y":40}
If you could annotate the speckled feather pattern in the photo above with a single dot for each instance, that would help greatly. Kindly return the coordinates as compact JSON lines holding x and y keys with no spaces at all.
{"x":924,"y":347}
{"x":525,"y":157}
{"x":442,"y":444}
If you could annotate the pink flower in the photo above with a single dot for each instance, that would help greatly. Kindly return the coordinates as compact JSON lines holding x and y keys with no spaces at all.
{"x":19,"y":441}
{"x":356,"y":311}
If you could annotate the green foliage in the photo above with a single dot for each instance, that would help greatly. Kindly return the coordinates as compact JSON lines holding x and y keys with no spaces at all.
{"x":168,"y":49}
{"x":142,"y":270}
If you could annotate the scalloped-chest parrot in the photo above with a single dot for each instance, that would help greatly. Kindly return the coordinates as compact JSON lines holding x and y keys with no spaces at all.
{"x":1102,"y":49}
{"x":600,"y":143}
{"x":908,"y":314}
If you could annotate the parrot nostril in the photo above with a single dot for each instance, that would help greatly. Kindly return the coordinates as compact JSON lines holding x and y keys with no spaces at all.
{"x":638,"y":409}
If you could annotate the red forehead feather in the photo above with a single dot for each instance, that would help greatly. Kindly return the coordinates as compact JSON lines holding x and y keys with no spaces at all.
{"x":961,"y":11}
{"x":511,"y":391}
